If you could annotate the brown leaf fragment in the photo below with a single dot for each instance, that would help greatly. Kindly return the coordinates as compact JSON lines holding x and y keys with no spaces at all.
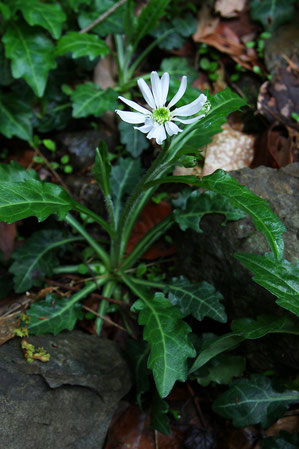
{"x":7,"y":325}
{"x":229,"y":8}
{"x":8,"y":234}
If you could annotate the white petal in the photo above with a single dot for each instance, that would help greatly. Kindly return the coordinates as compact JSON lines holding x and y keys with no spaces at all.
{"x":165,"y":87}
{"x":172,"y":128}
{"x":180,"y":92}
{"x":191,"y":108}
{"x":157,"y":89}
{"x":131,"y":117}
{"x":161,"y":135}
{"x":152,"y":132}
{"x":146,"y":92}
{"x":189,"y":120}
{"x":149,"y":124}
{"x":134,"y":105}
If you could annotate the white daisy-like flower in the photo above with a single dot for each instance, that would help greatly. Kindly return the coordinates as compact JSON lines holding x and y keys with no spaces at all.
{"x":159,"y":120}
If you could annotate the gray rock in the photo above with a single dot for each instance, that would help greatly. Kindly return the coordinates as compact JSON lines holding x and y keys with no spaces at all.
{"x":209,"y":256}
{"x":65,"y":403}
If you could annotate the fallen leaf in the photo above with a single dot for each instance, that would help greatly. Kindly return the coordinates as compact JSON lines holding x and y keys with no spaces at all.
{"x":229,"y":8}
{"x":7,"y":325}
{"x":8,"y":234}
{"x":151,"y":215}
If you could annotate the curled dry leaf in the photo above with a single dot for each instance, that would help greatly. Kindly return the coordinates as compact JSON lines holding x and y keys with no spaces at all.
{"x":7,"y":325}
{"x":229,"y":8}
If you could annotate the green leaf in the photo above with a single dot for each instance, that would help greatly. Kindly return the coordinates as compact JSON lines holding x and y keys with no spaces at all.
{"x":53,"y":315}
{"x":284,"y":440}
{"x":254,"y":401}
{"x":102,"y":168}
{"x":123,"y":178}
{"x":14,"y":172}
{"x":263,"y":325}
{"x":159,"y":415}
{"x":113,"y":24}
{"x":49,"y":16}
{"x":75,"y":4}
{"x":186,"y":25}
{"x":15,"y":117}
{"x":37,"y":258}
{"x":5,"y":72}
{"x":167,"y":335}
{"x":32,"y":55}
{"x":272,"y":13}
{"x":90,"y":99}
{"x":138,"y":352}
{"x":199,"y":300}
{"x":221,"y":370}
{"x":134,"y":141}
{"x":20,"y":200}
{"x":200,"y":204}
{"x":174,"y":40}
{"x":130,"y":20}
{"x":281,"y":278}
{"x":81,"y":45}
{"x":149,"y":17}
{"x":241,"y":197}
{"x":5,"y":11}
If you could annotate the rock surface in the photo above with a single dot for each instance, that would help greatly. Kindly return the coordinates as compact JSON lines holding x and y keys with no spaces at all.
{"x":209,"y":256}
{"x":65,"y":403}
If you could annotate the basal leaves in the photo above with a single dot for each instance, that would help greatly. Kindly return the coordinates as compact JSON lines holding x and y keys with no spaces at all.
{"x":81,"y":45}
{"x":37,"y":258}
{"x":281,"y":278}
{"x":254,"y":401}
{"x":90,"y":99}
{"x":31,"y":54}
{"x":167,"y":335}
{"x":199,"y":300}
{"x":32,"y":198}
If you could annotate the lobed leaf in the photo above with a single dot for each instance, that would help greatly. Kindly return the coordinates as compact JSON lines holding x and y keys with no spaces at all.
{"x":167,"y":335}
{"x":281,"y":278}
{"x":271,"y":13}
{"x":254,"y":401}
{"x":14,"y":172}
{"x":20,"y":200}
{"x":199,"y":204}
{"x":49,"y":16}
{"x":53,"y":315}
{"x":81,"y":45}
{"x":199,"y":300}
{"x":90,"y":99}
{"x":31,"y":53}
{"x":37,"y":258}
{"x":221,"y":370}
{"x":112,"y":24}
{"x":134,"y":141}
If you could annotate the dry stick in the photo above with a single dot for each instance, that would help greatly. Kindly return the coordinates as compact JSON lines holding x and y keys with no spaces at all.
{"x":105,"y":318}
{"x":54,"y":172}
{"x":103,"y":16}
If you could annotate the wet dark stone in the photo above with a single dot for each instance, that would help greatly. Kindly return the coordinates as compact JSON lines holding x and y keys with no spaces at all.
{"x":65,"y":403}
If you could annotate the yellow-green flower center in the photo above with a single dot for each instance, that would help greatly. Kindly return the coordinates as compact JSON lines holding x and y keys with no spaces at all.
{"x":161,"y":115}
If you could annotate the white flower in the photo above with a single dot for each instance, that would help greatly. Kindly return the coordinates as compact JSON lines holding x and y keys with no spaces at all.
{"x":160,"y":119}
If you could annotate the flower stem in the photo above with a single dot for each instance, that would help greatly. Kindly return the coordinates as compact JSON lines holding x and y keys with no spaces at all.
{"x":108,"y":289}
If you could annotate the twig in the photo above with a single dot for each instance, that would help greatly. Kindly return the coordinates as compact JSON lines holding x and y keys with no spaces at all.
{"x":54,"y":172}
{"x":103,"y":16}
{"x":105,"y":318}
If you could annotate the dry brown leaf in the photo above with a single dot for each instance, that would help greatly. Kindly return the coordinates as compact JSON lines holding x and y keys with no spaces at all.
{"x":8,"y":234}
{"x":7,"y":325}
{"x":229,"y":8}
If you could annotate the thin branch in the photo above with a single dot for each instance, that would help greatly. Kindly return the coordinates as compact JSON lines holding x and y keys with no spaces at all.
{"x":105,"y":318}
{"x":103,"y":16}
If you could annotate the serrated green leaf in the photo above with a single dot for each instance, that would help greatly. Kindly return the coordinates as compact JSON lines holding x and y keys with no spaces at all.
{"x":199,"y":300}
{"x":241,"y":197}
{"x":200,"y":204}
{"x":159,"y":415}
{"x":272,"y":13}
{"x":254,"y":401}
{"x":281,"y":278}
{"x":134,"y":141}
{"x":37,"y":258}
{"x":20,"y":200}
{"x":123,"y":178}
{"x":284,"y":440}
{"x":263,"y":325}
{"x":113,"y":24}
{"x":149,"y":17}
{"x":102,"y":168}
{"x":31,"y":53}
{"x":14,"y":172}
{"x":221,"y":370}
{"x":15,"y":117}
{"x":81,"y":45}
{"x":48,"y":16}
{"x":167,"y":335}
{"x":90,"y":99}
{"x":53,"y":315}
